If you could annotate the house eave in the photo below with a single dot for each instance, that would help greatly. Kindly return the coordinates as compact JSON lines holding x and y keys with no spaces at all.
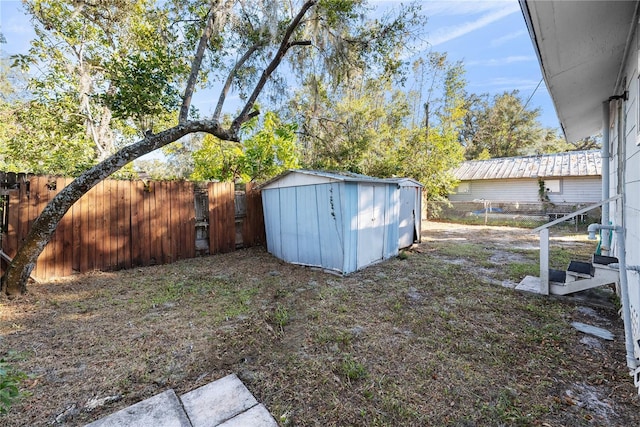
{"x":581,"y":48}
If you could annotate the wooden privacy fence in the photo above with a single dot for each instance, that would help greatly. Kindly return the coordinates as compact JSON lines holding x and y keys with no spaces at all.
{"x":124,"y":224}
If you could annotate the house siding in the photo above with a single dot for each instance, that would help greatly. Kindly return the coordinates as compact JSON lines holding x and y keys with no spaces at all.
{"x":625,"y":179}
{"x":579,"y":190}
{"x":592,"y":77}
{"x":573,"y":190}
{"x":500,"y":190}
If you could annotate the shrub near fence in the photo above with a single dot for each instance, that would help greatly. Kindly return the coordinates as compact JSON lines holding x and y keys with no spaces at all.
{"x":120,"y":224}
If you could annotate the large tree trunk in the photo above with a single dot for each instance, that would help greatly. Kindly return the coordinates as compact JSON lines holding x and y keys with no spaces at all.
{"x":14,"y":281}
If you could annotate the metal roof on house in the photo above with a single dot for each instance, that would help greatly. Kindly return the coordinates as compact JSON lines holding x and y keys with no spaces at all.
{"x":572,"y":163}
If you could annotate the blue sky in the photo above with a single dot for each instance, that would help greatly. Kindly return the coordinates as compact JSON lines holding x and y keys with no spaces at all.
{"x":492,"y":40}
{"x":490,"y":37}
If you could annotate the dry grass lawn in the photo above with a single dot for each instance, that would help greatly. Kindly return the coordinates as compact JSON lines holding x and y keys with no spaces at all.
{"x":428,"y":338}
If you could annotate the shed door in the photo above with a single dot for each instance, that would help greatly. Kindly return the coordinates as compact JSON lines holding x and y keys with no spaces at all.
{"x":407,"y":216}
{"x":371,"y":221}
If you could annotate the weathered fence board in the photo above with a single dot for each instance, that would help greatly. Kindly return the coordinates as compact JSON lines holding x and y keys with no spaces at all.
{"x":136,"y":241}
{"x":40,"y":197}
{"x":221,"y":217}
{"x":253,"y":232}
{"x":15,"y":222}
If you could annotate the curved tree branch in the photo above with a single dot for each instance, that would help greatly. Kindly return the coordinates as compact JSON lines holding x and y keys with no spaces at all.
{"x":299,"y":43}
{"x":15,"y":278}
{"x":282,"y":50}
{"x":197,"y":63}
{"x":240,"y":64}
{"x":232,"y":74}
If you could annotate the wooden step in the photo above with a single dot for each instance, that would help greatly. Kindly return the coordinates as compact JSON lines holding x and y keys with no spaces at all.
{"x":582,"y":268}
{"x":558,"y":276}
{"x":583,"y":275}
{"x":604,"y":260}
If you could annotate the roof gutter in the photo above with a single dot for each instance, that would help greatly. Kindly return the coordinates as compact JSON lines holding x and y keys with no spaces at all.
{"x":627,"y":46}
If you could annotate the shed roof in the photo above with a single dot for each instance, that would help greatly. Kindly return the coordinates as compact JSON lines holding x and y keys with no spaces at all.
{"x":339,"y":176}
{"x":572,"y":163}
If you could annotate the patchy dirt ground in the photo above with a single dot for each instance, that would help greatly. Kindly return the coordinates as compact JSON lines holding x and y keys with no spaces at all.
{"x":433,"y":337}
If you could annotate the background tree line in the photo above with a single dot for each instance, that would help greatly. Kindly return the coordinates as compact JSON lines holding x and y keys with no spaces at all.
{"x":108,"y":81}
{"x":371,"y":120}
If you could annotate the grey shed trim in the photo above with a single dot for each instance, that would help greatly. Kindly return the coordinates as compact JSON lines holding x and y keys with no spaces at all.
{"x":316,"y":176}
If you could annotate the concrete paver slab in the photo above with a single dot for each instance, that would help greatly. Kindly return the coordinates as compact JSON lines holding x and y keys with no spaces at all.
{"x":593,"y":330}
{"x":161,"y":410}
{"x":217,"y":402}
{"x":529,"y":284}
{"x":258,"y":416}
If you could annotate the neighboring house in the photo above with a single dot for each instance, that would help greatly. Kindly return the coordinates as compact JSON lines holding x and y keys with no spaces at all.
{"x":339,"y":221}
{"x":572,"y":178}
{"x":588,"y":52}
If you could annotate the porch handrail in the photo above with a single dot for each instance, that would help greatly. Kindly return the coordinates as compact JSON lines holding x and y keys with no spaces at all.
{"x":575,"y":214}
{"x":543,"y":230}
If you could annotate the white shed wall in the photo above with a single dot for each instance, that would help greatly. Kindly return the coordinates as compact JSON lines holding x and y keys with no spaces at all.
{"x":341,"y":226}
{"x":304,"y":225}
{"x":377,"y":223}
{"x":410,"y":216}
{"x":299,"y":180}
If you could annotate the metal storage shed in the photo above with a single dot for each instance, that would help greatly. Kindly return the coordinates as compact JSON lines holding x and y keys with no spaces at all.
{"x":339,"y":221}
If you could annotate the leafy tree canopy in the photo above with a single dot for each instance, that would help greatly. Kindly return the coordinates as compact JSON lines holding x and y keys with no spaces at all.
{"x":500,"y":127}
{"x":371,"y":127}
{"x":351,"y":129}
{"x":266,"y":153}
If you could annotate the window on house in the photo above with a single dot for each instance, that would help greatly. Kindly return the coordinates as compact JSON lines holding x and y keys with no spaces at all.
{"x":463,"y":188}
{"x":553,"y":186}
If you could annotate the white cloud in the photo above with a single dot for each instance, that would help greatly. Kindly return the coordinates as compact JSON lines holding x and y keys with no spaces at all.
{"x":451,"y":7}
{"x":475,"y":14}
{"x":501,"y":61}
{"x":18,"y":28}
{"x":464,"y":7}
{"x":507,"y":83}
{"x":449,"y":33}
{"x":507,"y":37}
